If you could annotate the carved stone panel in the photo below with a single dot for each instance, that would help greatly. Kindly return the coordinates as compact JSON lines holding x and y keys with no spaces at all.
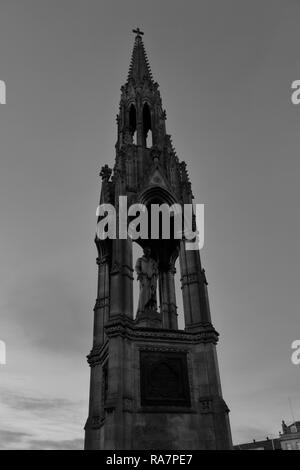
{"x":164,"y":379}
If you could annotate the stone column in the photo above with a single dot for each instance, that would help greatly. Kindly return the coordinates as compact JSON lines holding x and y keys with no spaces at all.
{"x":121,"y":279}
{"x":101,"y":309}
{"x":194,"y":291}
{"x":168,"y":299}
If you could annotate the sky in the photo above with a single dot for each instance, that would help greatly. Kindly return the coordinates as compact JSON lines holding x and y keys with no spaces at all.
{"x":225,"y":70}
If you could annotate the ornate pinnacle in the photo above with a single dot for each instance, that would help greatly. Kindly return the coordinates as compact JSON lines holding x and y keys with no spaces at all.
{"x":105,"y":173}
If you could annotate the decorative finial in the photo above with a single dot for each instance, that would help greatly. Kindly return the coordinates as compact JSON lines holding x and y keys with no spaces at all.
{"x":138,"y":32}
{"x":105,"y":173}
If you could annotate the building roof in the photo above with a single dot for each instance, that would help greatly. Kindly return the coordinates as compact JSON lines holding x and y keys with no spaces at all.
{"x":267,"y":444}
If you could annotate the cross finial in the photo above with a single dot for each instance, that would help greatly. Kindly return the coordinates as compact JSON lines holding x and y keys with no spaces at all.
{"x":138,"y":32}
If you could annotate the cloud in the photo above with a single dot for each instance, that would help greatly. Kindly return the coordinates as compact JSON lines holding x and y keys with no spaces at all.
{"x":10,"y":438}
{"x":72,"y":444}
{"x":27,"y":419}
{"x":21,"y":440}
{"x":35,"y":404}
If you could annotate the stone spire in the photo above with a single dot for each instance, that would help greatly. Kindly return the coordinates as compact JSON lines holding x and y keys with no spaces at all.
{"x":139,"y":66}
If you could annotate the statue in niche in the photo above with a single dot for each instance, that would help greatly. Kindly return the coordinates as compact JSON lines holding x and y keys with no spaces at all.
{"x":147,"y":274}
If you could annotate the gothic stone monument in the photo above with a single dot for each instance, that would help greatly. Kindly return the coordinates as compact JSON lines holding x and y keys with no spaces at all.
{"x":153,"y":385}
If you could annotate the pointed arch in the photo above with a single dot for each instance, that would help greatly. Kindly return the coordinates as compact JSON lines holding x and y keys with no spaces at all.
{"x":147,"y":125}
{"x":132,"y":122}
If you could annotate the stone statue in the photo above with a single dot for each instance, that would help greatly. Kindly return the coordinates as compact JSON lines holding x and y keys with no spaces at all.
{"x":147,"y":273}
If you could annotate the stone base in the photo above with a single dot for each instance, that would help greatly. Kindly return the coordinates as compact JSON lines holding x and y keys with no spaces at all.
{"x":149,"y":319}
{"x":163,"y":391}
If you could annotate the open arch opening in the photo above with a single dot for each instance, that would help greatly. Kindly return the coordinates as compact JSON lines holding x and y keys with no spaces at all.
{"x":132,"y":123}
{"x":147,"y":126}
{"x":165,"y":251}
{"x":163,"y":248}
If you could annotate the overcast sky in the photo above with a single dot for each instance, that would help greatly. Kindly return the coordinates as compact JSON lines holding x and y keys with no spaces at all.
{"x":225,"y":70}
